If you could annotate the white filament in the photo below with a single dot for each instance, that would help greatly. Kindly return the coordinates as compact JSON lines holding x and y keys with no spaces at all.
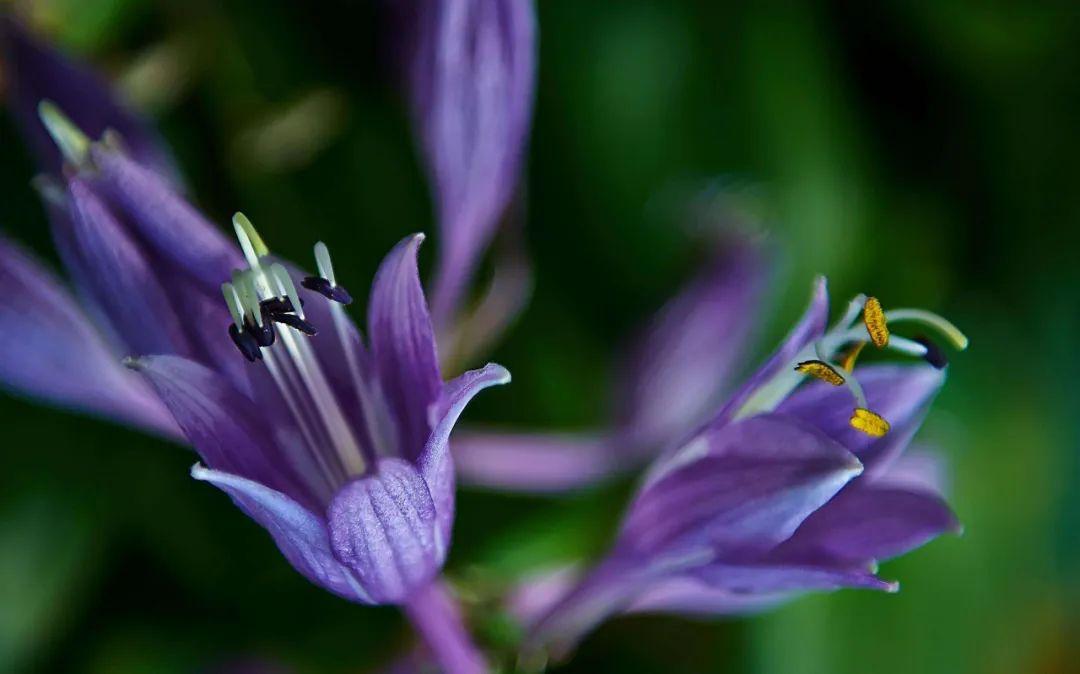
{"x":322,"y":261}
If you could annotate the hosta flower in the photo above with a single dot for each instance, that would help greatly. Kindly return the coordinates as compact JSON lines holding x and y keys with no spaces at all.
{"x":471,"y":70}
{"x":337,"y":446}
{"x":788,"y":488}
{"x":669,"y":382}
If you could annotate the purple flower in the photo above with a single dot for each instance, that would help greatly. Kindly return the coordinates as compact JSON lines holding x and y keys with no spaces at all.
{"x":670,"y":381}
{"x":471,"y":74}
{"x":786,"y":489}
{"x":336,"y":445}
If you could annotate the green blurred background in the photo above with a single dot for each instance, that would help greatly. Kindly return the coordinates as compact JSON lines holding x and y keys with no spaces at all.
{"x":922,"y":152}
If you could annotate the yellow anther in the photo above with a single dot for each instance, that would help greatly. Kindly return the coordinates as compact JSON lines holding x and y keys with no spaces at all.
{"x":820,"y":370}
{"x":874,"y":318}
{"x":848,"y":361}
{"x":869,"y":422}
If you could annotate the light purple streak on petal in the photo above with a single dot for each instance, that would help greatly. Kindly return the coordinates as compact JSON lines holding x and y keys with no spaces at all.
{"x":35,"y":71}
{"x":122,"y":278}
{"x":473,"y":83}
{"x":436,"y":464}
{"x":437,"y":617}
{"x":58,"y":208}
{"x":172,"y":226}
{"x":771,"y":579}
{"x":690,"y":596}
{"x":403,"y":344}
{"x":900,"y":393}
{"x":49,"y":350}
{"x":230,"y":433}
{"x":866,"y":522}
{"x":534,"y":462}
{"x":300,"y":535}
{"x":919,"y":469}
{"x":383,"y":528}
{"x":682,"y":366}
{"x":753,"y":482}
{"x":809,"y":328}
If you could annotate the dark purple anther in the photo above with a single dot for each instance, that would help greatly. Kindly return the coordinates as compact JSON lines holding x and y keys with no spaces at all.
{"x":246,"y":343}
{"x":934,"y":355}
{"x":263,"y":334}
{"x":294,"y":321}
{"x":279,"y":305}
{"x":328,"y":290}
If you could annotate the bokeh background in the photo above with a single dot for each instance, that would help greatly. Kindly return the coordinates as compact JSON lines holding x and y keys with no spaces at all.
{"x":922,"y":152}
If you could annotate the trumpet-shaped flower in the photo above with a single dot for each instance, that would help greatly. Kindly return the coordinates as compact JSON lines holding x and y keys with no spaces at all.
{"x":336,"y":445}
{"x":786,"y":489}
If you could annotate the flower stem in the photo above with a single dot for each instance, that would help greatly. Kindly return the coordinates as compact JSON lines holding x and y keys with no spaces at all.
{"x":437,"y":618}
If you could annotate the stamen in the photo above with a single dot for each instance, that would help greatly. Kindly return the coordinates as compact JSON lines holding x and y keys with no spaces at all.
{"x":232,"y":300}
{"x":849,"y":358}
{"x":869,"y":422}
{"x":322,"y":261}
{"x":263,"y":334}
{"x":250,"y":241}
{"x":952,"y":333}
{"x":855,"y":306}
{"x":244,"y":282}
{"x":327,"y":289}
{"x":294,"y":321}
{"x":287,"y":288}
{"x":246,"y":343}
{"x":326,"y":284}
{"x":820,"y":370}
{"x":934,"y":355}
{"x":876,"y":326}
{"x":278,"y":305}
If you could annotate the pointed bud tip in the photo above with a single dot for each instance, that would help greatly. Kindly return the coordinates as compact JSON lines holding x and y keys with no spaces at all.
{"x":69,"y":138}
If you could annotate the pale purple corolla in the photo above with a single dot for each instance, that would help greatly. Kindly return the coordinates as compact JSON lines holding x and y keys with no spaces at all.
{"x":471,"y":77}
{"x":667,"y":382}
{"x":779,"y":493}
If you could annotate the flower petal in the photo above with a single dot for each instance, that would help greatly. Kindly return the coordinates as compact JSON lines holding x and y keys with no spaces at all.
{"x":688,"y":595}
{"x":809,"y":328}
{"x":899,"y":393}
{"x":300,"y":535}
{"x":122,"y":278}
{"x":36,"y":72}
{"x":383,"y":528}
{"x":866,"y":522}
{"x":472,"y":79}
{"x":50,"y":350}
{"x":226,"y":428}
{"x":435,"y":462}
{"x":769,"y":579}
{"x":403,"y":344}
{"x":534,"y":462}
{"x":681,"y":367}
{"x":172,"y":226}
{"x":743,"y":487}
